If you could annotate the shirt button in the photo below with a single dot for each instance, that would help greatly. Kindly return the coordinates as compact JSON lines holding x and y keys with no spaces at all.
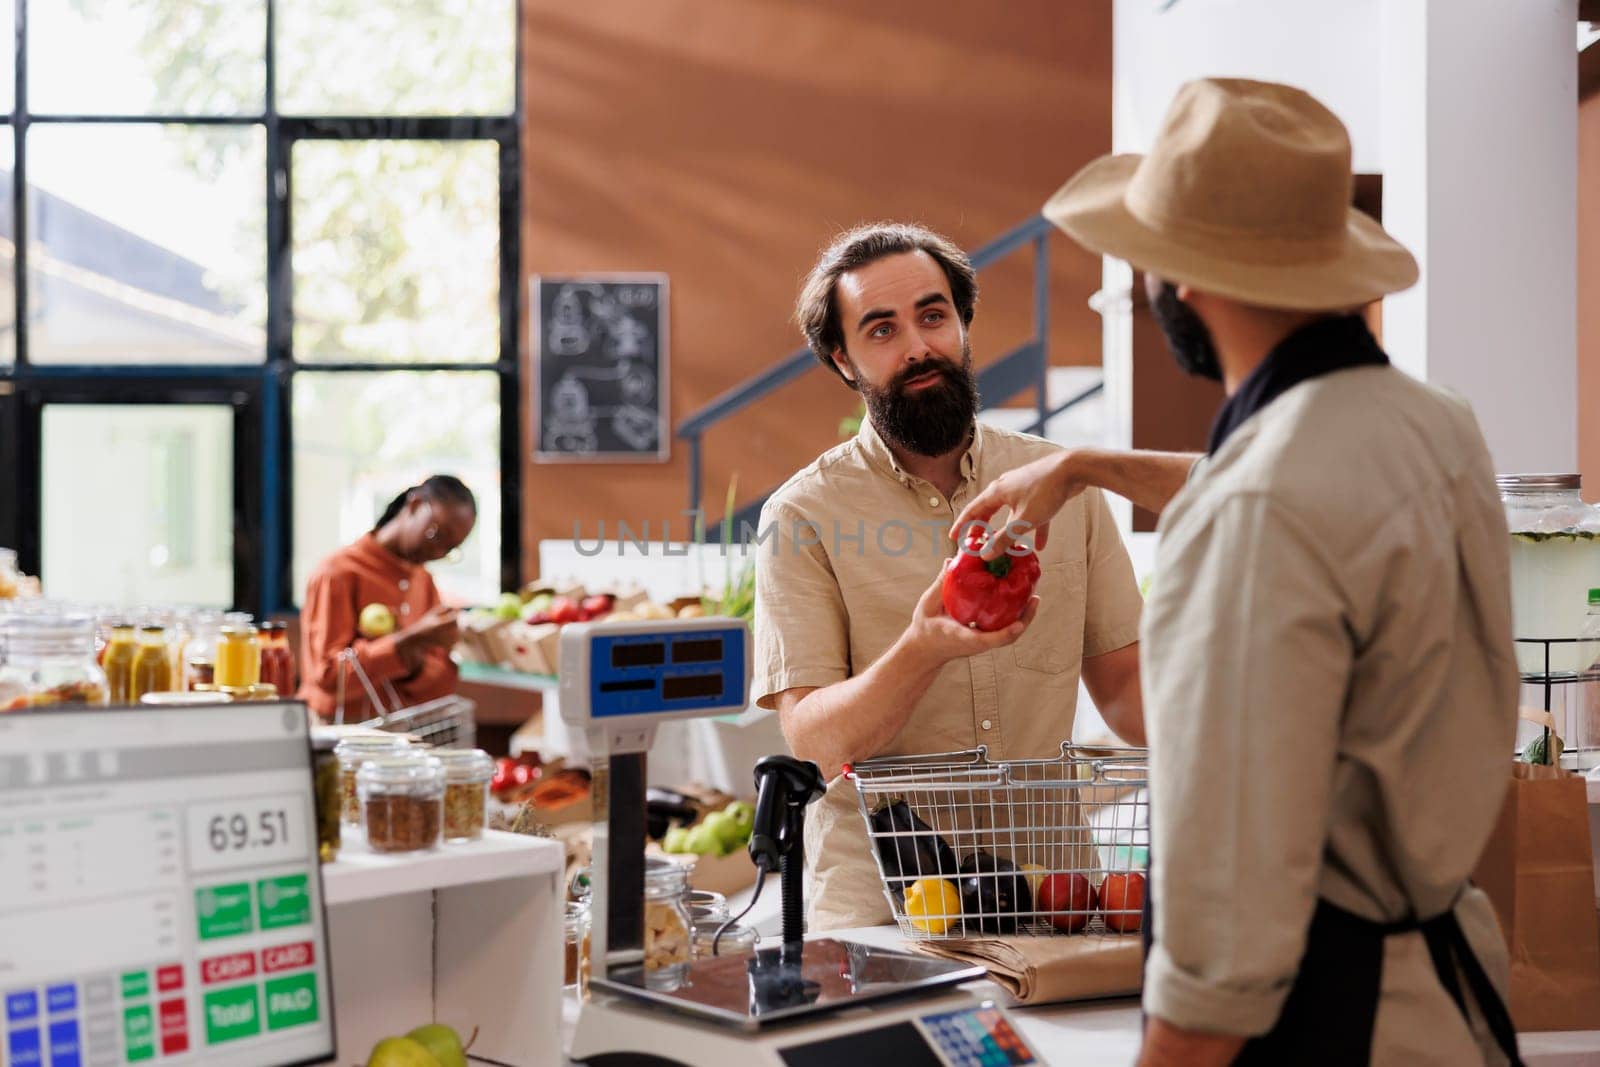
{"x":933,"y":501}
{"x":405,"y":583}
{"x":405,"y":609}
{"x":987,"y":724}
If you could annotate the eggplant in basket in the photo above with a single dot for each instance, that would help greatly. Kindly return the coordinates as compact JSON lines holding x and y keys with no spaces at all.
{"x":920,"y":854}
{"x":993,"y":893}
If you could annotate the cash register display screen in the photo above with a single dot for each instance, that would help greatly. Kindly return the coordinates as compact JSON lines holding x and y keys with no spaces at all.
{"x":160,"y":898}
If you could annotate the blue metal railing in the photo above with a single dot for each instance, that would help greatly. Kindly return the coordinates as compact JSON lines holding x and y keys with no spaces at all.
{"x":1019,"y":370}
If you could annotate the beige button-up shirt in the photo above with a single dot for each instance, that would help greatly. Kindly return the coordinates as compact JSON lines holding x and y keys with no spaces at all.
{"x":853,"y":542}
{"x":1330,"y":694}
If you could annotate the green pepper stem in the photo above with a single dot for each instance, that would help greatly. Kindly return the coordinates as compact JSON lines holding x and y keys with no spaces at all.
{"x":1000,"y":566}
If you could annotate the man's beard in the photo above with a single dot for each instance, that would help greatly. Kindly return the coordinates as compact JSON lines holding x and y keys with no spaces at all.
{"x":929,"y":421}
{"x":1187,"y":336}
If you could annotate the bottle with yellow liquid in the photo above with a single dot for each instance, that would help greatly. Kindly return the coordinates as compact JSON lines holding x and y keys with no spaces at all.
{"x":152,"y":664}
{"x":238,"y":657}
{"x":117,"y":662}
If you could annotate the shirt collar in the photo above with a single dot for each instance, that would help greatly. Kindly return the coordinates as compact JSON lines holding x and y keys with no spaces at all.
{"x":879,"y":455}
{"x":1315,"y":349}
{"x":368,"y":548}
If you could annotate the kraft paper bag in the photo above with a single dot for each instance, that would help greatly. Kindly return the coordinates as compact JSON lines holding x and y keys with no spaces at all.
{"x":1045,"y":970}
{"x":1538,"y":871}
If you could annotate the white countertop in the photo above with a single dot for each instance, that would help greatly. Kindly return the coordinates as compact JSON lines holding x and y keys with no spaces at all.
{"x":358,"y":874}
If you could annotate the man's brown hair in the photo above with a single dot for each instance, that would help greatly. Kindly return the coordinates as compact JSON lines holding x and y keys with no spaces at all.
{"x":817,"y":309}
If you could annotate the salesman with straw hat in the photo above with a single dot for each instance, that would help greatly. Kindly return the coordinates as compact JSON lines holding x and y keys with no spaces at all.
{"x":1330,"y":689}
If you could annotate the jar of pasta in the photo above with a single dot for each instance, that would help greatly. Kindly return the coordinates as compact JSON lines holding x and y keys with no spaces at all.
{"x":666,"y":922}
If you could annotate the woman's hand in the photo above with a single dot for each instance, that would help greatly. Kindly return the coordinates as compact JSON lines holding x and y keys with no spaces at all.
{"x":437,"y":628}
{"x":1033,"y":493}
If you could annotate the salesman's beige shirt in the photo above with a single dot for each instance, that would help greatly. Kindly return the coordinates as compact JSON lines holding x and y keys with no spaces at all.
{"x":854,"y":543}
{"x":1330,"y":695}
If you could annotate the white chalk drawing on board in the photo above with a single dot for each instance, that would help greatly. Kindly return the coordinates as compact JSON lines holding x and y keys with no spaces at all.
{"x":571,"y":425}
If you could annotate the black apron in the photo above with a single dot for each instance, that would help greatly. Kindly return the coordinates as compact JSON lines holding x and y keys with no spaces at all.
{"x":1332,"y":1006}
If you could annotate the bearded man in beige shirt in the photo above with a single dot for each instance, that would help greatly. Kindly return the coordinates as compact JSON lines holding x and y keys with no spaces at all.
{"x":852,"y":644}
{"x":1330,"y":684}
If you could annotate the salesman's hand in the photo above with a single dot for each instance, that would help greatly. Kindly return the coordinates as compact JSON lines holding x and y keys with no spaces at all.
{"x":1033,"y":493}
{"x":938,"y":638}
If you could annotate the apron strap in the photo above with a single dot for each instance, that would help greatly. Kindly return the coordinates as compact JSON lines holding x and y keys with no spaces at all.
{"x":1448,"y":945}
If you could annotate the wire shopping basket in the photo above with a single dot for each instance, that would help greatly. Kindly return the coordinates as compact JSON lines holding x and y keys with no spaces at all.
{"x":446,"y":722}
{"x":967,"y":846}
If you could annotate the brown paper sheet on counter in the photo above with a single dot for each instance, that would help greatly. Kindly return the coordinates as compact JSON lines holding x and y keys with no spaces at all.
{"x":1044,"y":970}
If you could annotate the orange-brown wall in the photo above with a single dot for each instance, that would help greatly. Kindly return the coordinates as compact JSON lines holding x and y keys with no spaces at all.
{"x":1589,"y":295}
{"x":724,"y":141}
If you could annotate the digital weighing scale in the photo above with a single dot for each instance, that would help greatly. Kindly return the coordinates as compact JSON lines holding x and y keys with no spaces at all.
{"x":805,"y":1003}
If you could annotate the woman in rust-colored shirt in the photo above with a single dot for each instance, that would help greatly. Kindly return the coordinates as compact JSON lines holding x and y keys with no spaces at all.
{"x":382,"y":574}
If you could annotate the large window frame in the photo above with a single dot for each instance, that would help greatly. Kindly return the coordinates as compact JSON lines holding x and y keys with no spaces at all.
{"x":261,"y":394}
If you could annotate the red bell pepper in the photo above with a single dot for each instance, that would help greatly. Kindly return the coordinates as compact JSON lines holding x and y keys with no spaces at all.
{"x":988,"y":594}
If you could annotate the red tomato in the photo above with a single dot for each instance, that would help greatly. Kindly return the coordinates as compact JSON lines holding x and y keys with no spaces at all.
{"x":1122,"y":897}
{"x":502,"y":774}
{"x":1068,"y":900}
{"x":563,"y":610}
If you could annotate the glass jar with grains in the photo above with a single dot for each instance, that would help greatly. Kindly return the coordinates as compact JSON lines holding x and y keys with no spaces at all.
{"x":352,"y":752}
{"x":402,"y":802}
{"x":467,"y":773}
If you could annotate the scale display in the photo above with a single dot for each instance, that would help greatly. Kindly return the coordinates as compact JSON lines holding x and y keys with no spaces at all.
{"x":160,"y":892}
{"x":664,"y":671}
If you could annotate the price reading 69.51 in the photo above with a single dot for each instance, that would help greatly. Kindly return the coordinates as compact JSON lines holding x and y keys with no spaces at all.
{"x":231,"y":832}
{"x":242,"y":830}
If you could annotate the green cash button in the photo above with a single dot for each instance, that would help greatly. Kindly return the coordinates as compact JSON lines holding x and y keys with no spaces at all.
{"x":231,"y":1014}
{"x":291,"y":1001}
{"x":139,"y":1032}
{"x":284,"y":902}
{"x":223,"y":910}
{"x":135,"y":984}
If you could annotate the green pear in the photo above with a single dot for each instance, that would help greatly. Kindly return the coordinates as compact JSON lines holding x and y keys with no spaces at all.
{"x":443,"y":1042}
{"x":744,"y":814}
{"x":509,"y":606}
{"x":401,"y":1052}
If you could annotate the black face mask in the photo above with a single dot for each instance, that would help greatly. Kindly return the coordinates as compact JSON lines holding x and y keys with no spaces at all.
{"x":933,"y":420}
{"x":1186,"y":333}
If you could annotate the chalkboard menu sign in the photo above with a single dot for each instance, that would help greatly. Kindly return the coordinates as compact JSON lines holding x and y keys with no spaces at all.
{"x":600,"y":367}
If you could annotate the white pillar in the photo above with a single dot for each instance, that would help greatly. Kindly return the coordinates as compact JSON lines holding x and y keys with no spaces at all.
{"x":1479,"y":151}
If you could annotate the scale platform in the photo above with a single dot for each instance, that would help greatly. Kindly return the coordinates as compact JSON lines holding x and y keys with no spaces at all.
{"x":752,"y":990}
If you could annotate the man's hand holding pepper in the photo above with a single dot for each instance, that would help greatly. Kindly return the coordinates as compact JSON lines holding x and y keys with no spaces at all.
{"x":936,"y":638}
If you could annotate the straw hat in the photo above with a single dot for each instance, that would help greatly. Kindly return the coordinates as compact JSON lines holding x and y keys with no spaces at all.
{"x":1245,"y":194}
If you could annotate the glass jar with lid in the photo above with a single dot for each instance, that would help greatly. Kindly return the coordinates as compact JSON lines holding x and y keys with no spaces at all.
{"x":50,"y":662}
{"x":238,"y":657}
{"x":117,"y":661}
{"x":467,"y":773}
{"x":152,"y":664}
{"x":402,"y":802}
{"x":575,"y":972}
{"x":1555,"y":560}
{"x":325,"y":775}
{"x":666,"y":922}
{"x":200,"y":650}
{"x":735,"y":939}
{"x":351,"y":753}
